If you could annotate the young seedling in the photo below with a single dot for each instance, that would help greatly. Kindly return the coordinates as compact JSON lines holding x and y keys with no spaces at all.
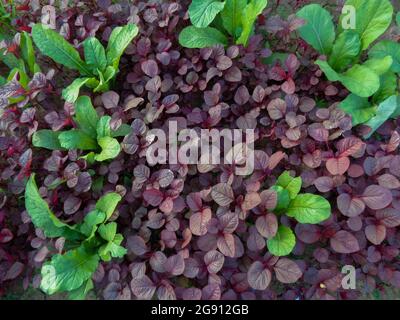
{"x":213,"y":22}
{"x":93,"y":133}
{"x":303,"y":207}
{"x":100,"y":66}
{"x":86,"y":243}
{"x":372,"y":83}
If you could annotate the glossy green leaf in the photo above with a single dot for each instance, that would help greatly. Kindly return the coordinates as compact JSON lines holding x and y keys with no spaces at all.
{"x":373,"y":17}
{"x":47,"y":139}
{"x":108,"y":231}
{"x":108,"y":203}
{"x":359,"y":108}
{"x":387,"y":48}
{"x":82,"y":291}
{"x":77,"y":139}
{"x":319,"y":30}
{"x":103,"y":127}
{"x":86,"y":116}
{"x":388,"y":87}
{"x":95,"y":54}
{"x":27,"y":51}
{"x":232,"y":16}
{"x":384,"y":111}
{"x":379,"y":65}
{"x":309,"y":208}
{"x":119,"y":39}
{"x":71,"y":93}
{"x":53,"y":45}
{"x":253,"y":9}
{"x":69,"y":271}
{"x":42,"y":217}
{"x":91,"y":221}
{"x":291,"y":184}
{"x":203,"y":12}
{"x":283,"y":198}
{"x":110,"y":149}
{"x":345,"y":49}
{"x":283,"y":243}
{"x":192,"y":37}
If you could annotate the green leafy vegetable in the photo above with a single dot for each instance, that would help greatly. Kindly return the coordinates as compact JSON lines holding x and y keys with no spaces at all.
{"x":346,"y":48}
{"x":309,"y":208}
{"x":232,"y":16}
{"x":387,"y":48}
{"x":359,"y":108}
{"x":291,"y":184}
{"x":253,"y":9}
{"x":283,"y":243}
{"x":47,"y":139}
{"x":192,"y":37}
{"x":203,"y":12}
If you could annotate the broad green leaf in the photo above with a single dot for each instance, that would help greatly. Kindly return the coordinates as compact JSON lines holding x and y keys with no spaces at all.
{"x":291,"y":184}
{"x":110,"y":149}
{"x":309,"y":208}
{"x":69,"y":271}
{"x":108,"y":231}
{"x":359,"y":80}
{"x":71,"y":93}
{"x":119,"y":39}
{"x":77,"y":139}
{"x":283,"y":198}
{"x":345,"y":49}
{"x":108,"y":203}
{"x":122,"y":131}
{"x":47,"y":139}
{"x":111,"y":249}
{"x":319,"y":30}
{"x":387,"y":48}
{"x":86,"y":116}
{"x":283,"y":243}
{"x":359,"y":108}
{"x":95,"y":54}
{"x":379,"y":65}
{"x":388,"y":87}
{"x":192,"y":37}
{"x":232,"y":16}
{"x":384,"y":111}
{"x":103,"y":128}
{"x":253,"y":9}
{"x":42,"y":217}
{"x":91,"y":221}
{"x":82,"y":291}
{"x":27,"y":51}
{"x":373,"y":17}
{"x":53,"y":45}
{"x":203,"y":12}
{"x":11,"y":61}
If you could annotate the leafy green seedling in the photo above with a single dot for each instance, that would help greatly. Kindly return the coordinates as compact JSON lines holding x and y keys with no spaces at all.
{"x":370,"y":82}
{"x":93,"y":133}
{"x":305,"y":208}
{"x":100,"y":66}
{"x":214,"y":21}
{"x":86,"y":243}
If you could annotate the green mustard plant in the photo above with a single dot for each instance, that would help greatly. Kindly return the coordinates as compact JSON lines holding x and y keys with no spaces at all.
{"x":213,"y":22}
{"x":86,"y":243}
{"x":100,"y":66}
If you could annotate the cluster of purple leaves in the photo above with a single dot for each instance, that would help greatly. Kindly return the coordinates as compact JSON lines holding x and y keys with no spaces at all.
{"x":199,"y":231}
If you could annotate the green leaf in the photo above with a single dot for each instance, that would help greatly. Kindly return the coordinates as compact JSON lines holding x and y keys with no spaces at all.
{"x":108,"y":231}
{"x":111,"y":249}
{"x":103,"y":128}
{"x":283,"y":198}
{"x":77,"y":139}
{"x":319,"y":30}
{"x":398,"y":19}
{"x":42,"y":217}
{"x":122,"y":131}
{"x":110,"y":149}
{"x":309,"y":208}
{"x":95,"y":54}
{"x":86,"y":116}
{"x":388,"y":87}
{"x":119,"y":39}
{"x":379,"y":65}
{"x":359,"y":108}
{"x":53,"y":45}
{"x":345,"y":49}
{"x":203,"y":12}
{"x":82,"y":291}
{"x":232,"y":16}
{"x":253,"y":9}
{"x":291,"y":184}
{"x":91,"y":221}
{"x":383,"y":113}
{"x":192,"y":37}
{"x":71,"y":93}
{"x":27,"y":51}
{"x":373,"y":17}
{"x":387,"y":48}
{"x":47,"y":139}
{"x":283,"y":243}
{"x":108,"y":203}
{"x":69,"y":271}
{"x":360,"y":80}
